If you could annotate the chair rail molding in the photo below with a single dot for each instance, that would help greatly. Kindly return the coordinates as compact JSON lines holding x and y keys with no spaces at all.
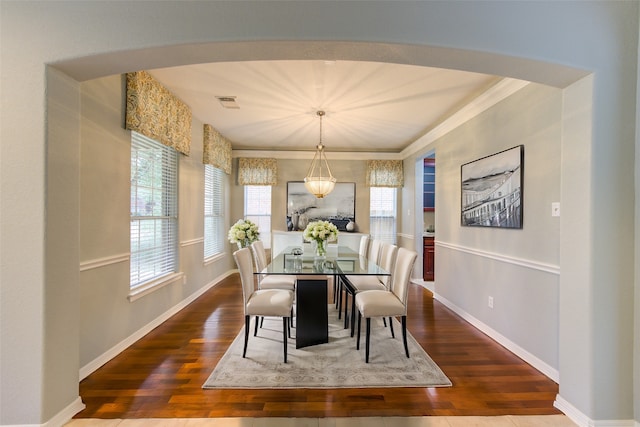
{"x":102,"y":262}
{"x":534,"y":265}
{"x":190,"y":242}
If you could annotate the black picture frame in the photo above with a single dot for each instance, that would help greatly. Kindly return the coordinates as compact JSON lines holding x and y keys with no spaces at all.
{"x":337,"y":207}
{"x":492,"y":190}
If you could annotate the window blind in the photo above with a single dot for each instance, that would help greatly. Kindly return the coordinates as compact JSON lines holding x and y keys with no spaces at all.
{"x":382,"y":216}
{"x":257,"y":208}
{"x":154,"y":209}
{"x":214,"y":232}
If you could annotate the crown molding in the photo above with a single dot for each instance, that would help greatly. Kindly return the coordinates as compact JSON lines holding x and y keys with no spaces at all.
{"x":496,"y":93}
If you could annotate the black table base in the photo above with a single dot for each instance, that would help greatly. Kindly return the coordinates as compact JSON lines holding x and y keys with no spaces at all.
{"x":312,"y":316}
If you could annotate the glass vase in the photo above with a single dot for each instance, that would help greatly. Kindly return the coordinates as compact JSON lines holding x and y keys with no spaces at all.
{"x":321,"y":250}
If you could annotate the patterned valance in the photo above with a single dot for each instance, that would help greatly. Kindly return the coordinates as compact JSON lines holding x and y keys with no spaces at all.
{"x":257,"y":171}
{"x":156,"y":113}
{"x":385,"y":173}
{"x":217,"y":149}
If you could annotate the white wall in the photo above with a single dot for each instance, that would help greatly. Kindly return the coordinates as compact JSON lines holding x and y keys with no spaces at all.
{"x":554,"y":43}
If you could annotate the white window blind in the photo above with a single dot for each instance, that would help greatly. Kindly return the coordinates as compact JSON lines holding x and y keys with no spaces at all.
{"x":257,"y":208}
{"x":214,"y":232}
{"x":154,"y":209}
{"x":382,"y":216}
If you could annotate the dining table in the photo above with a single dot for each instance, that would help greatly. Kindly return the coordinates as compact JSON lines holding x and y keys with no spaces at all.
{"x":312,"y":277}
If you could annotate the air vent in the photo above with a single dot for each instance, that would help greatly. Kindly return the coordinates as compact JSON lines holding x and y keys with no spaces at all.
{"x":228,"y":101}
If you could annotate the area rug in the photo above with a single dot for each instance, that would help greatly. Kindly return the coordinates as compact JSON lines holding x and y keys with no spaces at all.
{"x":336,"y":364}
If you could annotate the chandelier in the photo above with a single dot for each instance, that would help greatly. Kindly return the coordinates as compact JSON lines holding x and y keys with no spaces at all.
{"x":316,"y":182}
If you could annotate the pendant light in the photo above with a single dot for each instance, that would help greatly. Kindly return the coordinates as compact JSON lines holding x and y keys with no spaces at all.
{"x":319,"y":180}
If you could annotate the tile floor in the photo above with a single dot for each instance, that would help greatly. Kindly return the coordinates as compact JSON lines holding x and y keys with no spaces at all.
{"x":501,"y":421}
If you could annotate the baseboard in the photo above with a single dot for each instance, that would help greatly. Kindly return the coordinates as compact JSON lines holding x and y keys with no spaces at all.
{"x":582,"y":420}
{"x":122,"y":345}
{"x":60,"y":419}
{"x":532,"y":360}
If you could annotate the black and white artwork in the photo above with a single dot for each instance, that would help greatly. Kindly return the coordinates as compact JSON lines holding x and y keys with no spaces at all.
{"x":492,"y":190}
{"x":337,"y":207}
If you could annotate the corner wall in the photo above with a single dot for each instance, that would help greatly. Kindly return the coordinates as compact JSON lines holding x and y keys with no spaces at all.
{"x":518,"y":268}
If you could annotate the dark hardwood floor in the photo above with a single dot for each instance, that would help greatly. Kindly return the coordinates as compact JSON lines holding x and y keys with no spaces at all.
{"x":161,"y":375}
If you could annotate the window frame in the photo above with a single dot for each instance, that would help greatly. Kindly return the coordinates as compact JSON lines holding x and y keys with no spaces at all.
{"x":390,"y":237}
{"x":214,"y":190}
{"x":256,"y":217}
{"x":161,"y":259}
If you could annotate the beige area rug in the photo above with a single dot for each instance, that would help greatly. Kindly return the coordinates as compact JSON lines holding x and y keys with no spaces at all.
{"x":336,"y":364}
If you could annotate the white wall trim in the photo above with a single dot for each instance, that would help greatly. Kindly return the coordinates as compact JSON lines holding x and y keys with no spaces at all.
{"x":583,"y":421}
{"x":122,"y":345}
{"x":64,"y":416}
{"x":406,"y":236}
{"x":191,"y":242}
{"x":543,"y":367}
{"x":101,"y":262}
{"x":534,"y":265}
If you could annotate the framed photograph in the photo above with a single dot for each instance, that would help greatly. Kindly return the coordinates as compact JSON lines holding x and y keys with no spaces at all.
{"x":338,"y":207}
{"x":492,"y":190}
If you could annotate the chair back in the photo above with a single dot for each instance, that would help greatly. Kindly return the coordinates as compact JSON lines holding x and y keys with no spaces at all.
{"x":259,"y":255}
{"x":244,"y":262}
{"x":402,"y":274}
{"x":374,"y":250}
{"x":387,"y":261}
{"x":364,"y":246}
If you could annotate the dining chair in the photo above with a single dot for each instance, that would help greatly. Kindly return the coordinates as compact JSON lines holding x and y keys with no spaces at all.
{"x":388,"y":303}
{"x":386,"y":260}
{"x":262,"y":302}
{"x":271,"y":281}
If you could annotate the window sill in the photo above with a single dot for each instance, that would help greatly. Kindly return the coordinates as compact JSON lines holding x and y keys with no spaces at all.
{"x":214,"y":258}
{"x":146,"y":288}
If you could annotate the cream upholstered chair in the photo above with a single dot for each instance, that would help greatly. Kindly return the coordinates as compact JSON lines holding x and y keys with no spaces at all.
{"x":262,"y":302}
{"x":364,"y":245}
{"x":272,"y":281}
{"x":389,"y":303}
{"x":387,"y":261}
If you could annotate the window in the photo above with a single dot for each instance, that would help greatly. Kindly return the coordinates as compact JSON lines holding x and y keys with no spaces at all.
{"x":154,"y":210}
{"x":382,"y":213}
{"x":214,"y":232}
{"x":257,"y":208}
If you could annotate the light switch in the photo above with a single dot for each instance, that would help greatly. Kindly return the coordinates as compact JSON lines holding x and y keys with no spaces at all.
{"x":555,"y":209}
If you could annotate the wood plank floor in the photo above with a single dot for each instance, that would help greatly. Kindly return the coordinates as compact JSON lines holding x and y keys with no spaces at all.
{"x":161,"y":375}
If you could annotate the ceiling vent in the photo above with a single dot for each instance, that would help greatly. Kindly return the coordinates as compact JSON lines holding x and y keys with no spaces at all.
{"x":228,"y":102}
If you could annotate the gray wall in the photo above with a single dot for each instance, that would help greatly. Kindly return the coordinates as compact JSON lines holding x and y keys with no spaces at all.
{"x":518,"y":268}
{"x":107,"y":317}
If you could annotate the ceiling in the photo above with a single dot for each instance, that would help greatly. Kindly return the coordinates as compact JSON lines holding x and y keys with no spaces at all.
{"x":369,"y":106}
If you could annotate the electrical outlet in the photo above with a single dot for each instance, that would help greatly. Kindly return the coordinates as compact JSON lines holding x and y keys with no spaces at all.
{"x":555,"y":209}
{"x":490,"y":302}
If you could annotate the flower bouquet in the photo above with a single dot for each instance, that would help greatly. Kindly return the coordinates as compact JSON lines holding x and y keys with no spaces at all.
{"x":320,"y":232}
{"x":244,"y":233}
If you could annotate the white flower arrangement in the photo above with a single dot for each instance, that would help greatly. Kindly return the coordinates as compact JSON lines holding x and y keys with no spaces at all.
{"x":320,"y":232}
{"x":243,"y":233}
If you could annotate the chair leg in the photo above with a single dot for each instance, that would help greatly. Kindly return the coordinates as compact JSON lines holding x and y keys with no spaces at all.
{"x":384,"y":321}
{"x":255,"y":332}
{"x":367,"y":340}
{"x":261,"y":321}
{"x":285,"y":322}
{"x":353,"y":311}
{"x":289,"y":326}
{"x":346,"y":304}
{"x":247,"y":320}
{"x":404,"y":335}
{"x":393,"y":335}
{"x":359,"y":324}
